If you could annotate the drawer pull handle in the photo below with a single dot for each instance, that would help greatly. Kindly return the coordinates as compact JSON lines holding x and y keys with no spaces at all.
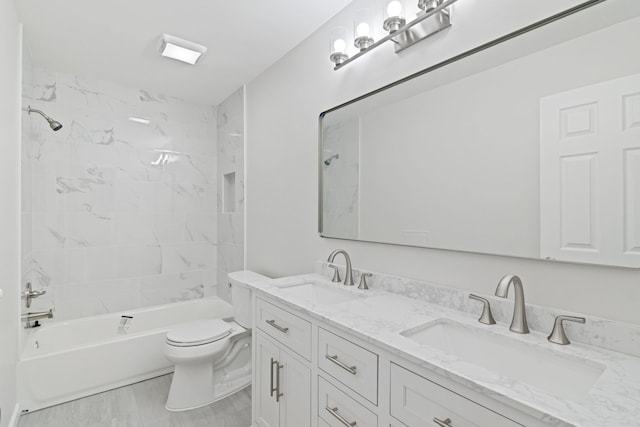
{"x":278,"y":327}
{"x":343,"y":420}
{"x":334,"y":359}
{"x":445,"y":423}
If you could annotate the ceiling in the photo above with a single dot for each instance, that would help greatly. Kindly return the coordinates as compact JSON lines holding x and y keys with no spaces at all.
{"x":118,"y":40}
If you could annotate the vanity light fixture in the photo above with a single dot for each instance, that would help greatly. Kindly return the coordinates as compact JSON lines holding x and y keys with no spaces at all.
{"x":432,"y":17}
{"x":181,"y":50}
{"x":394,"y":20}
{"x":362,"y":29}
{"x":338,"y":46}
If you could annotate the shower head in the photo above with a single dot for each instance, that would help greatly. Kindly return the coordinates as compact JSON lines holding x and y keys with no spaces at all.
{"x":330,"y":159}
{"x":53,"y":124}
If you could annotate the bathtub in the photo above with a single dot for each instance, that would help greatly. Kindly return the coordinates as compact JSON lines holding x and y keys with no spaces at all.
{"x":66,"y":360}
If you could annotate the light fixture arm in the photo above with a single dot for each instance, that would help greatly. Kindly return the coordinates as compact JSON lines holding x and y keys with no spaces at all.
{"x":403,"y":31}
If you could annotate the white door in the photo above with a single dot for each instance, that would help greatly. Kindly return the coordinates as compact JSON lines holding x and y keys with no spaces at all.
{"x":267,"y":409}
{"x":295,"y":384}
{"x":590,"y":174}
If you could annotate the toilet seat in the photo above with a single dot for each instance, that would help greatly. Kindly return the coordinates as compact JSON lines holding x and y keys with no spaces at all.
{"x":198,"y":333}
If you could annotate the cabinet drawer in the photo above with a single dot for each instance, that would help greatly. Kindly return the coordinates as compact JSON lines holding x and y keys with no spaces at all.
{"x":287,"y":328}
{"x":416,"y":401}
{"x":337,"y":409}
{"x":349,"y":363}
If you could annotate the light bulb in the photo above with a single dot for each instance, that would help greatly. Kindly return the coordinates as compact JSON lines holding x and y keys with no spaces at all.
{"x":339,"y":45}
{"x":394,"y":8}
{"x":363,"y":29}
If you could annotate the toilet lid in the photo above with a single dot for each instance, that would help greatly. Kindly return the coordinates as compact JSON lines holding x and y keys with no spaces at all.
{"x":199,"y":332}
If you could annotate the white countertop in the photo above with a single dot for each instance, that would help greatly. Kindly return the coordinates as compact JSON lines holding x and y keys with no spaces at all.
{"x":378,"y":317}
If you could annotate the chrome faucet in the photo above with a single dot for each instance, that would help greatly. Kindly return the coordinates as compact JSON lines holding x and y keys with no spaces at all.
{"x":348,"y":279}
{"x":30,"y":294}
{"x":519,"y":321}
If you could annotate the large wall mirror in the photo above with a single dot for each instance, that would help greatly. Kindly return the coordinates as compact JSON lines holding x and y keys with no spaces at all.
{"x":527,"y":147}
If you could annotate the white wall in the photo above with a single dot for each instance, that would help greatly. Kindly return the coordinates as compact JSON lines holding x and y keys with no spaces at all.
{"x":10,"y":68}
{"x":282,"y":110}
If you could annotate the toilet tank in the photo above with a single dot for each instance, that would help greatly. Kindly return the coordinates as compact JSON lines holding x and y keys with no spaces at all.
{"x":241,"y":295}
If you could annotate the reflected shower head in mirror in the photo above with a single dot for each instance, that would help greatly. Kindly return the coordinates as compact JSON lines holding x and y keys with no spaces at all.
{"x":328,"y":161}
{"x":53,"y":124}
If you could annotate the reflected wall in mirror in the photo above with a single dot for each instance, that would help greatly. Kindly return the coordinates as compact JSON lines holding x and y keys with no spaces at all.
{"x":529,"y":148}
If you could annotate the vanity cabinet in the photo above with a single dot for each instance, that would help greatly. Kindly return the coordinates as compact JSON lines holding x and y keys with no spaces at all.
{"x":307,"y":373}
{"x":417,"y":402}
{"x":283,"y":385}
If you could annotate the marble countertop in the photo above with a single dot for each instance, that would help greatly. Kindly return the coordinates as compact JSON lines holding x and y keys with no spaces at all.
{"x":378,"y":317}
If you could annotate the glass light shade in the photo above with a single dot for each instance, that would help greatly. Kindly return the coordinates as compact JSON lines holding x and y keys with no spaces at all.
{"x":338,"y":40}
{"x":363,"y":29}
{"x":394,"y":13}
{"x":394,"y":8}
{"x":362,"y":25}
{"x":338,"y":46}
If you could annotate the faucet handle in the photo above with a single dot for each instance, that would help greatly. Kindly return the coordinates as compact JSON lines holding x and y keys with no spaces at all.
{"x":363,"y":281}
{"x":486,"y":317}
{"x":336,"y":274}
{"x":558,"y":336}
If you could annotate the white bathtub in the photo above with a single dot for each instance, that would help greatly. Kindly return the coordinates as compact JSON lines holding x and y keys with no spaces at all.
{"x":66,"y":360}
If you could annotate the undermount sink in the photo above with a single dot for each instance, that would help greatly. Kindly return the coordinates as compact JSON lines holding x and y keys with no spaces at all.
{"x":318,"y":294}
{"x":513,"y":360}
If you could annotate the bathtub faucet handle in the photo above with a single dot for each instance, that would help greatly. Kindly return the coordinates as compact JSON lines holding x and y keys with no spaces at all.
{"x":30,"y":294}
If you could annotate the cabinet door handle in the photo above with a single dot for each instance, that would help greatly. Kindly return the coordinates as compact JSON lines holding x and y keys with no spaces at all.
{"x":445,"y":423}
{"x":278,"y":327}
{"x":334,"y":359}
{"x":343,"y":420}
{"x":277,"y":390}
{"x":273,"y":362}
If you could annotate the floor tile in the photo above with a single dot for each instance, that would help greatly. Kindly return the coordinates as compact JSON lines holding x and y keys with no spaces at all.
{"x":141,"y":405}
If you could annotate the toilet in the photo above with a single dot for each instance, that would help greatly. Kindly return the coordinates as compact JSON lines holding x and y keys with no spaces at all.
{"x":212,"y":357}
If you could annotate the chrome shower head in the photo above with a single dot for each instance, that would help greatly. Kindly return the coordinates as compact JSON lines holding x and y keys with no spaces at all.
{"x":330,"y":159}
{"x":53,"y":124}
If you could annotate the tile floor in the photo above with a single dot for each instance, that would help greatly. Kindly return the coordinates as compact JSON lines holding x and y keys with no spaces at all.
{"x":141,"y":405}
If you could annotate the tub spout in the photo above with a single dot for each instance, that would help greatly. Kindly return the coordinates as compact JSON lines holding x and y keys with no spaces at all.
{"x":35,"y":317}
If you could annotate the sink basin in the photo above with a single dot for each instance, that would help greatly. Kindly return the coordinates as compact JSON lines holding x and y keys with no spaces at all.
{"x":317,"y":294}
{"x":515,"y":361}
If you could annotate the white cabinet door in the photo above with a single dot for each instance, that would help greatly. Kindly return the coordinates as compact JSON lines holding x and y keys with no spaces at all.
{"x":267,"y":409}
{"x":283,"y":385}
{"x":590,"y":174}
{"x":295,"y":385}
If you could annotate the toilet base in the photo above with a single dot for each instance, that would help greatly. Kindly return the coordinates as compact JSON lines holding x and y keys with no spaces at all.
{"x":182,"y":401}
{"x":199,"y":384}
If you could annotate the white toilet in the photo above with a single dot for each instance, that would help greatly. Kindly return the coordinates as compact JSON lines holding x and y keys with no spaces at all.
{"x":212,"y":357}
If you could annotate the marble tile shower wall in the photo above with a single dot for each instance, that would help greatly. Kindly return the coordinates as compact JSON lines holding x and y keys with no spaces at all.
{"x":230,"y":209}
{"x":341,"y":178}
{"x":122,"y":214}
